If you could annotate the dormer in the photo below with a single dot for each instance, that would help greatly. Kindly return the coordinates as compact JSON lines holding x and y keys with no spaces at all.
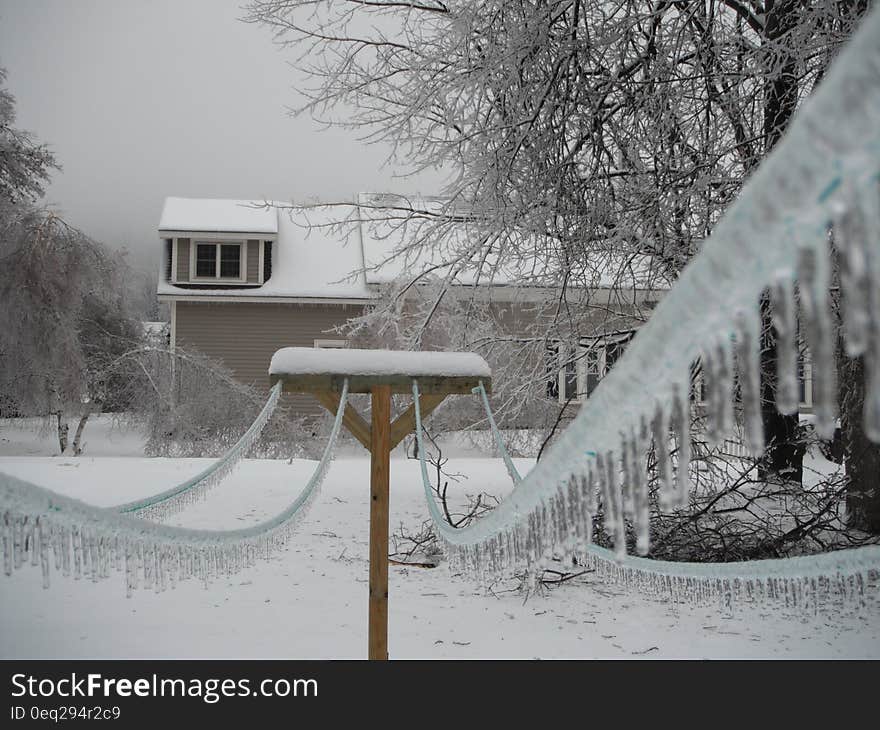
{"x":217,"y":243}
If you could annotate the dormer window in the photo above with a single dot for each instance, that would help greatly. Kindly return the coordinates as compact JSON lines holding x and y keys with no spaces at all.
{"x":219,"y":260}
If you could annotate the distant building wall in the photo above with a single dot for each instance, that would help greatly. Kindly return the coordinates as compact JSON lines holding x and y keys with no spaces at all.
{"x":245,"y":335}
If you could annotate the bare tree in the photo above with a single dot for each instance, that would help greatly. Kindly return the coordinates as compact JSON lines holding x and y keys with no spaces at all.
{"x":583,"y":139}
{"x":24,"y":165}
{"x":65,"y":314}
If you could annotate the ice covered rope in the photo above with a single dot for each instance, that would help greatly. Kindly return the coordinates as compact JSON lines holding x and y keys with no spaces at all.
{"x":823,"y":173}
{"x":89,"y":541}
{"x":160,"y":506}
{"x":826,"y":581}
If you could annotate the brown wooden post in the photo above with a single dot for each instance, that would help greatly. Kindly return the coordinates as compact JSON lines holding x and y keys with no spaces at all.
{"x":380,"y":468}
{"x":380,"y":438}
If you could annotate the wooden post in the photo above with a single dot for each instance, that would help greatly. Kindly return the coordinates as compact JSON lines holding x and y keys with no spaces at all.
{"x":380,"y":437}
{"x":380,"y":468}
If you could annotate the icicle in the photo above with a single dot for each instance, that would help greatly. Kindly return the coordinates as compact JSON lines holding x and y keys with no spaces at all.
{"x":710,"y":377}
{"x":56,"y":546}
{"x":94,"y":556}
{"x":640,"y":491}
{"x":850,"y":240}
{"x":722,"y":405}
{"x":813,"y":283}
{"x":681,"y":428}
{"x":785,"y":323}
{"x":117,"y":553}
{"x":561,"y":512}
{"x":7,"y":543}
{"x":660,"y":428}
{"x":18,"y":541}
{"x":618,"y":528}
{"x":588,"y":508}
{"x":607,"y":506}
{"x":77,"y":552}
{"x":573,"y":505}
{"x":66,"y":543}
{"x":748,"y":368}
{"x":626,"y":486}
{"x":44,"y":531}
{"x":129,"y":568}
{"x":30,"y":539}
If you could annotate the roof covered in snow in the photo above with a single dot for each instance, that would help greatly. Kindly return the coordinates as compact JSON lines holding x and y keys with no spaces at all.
{"x":213,"y":215}
{"x":312,"y":258}
{"x":346,"y":251}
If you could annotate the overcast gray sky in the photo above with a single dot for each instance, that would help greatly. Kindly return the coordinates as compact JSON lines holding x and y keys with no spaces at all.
{"x":142,"y":99}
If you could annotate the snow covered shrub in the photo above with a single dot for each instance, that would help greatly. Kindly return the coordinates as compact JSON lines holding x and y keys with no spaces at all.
{"x":192,"y":406}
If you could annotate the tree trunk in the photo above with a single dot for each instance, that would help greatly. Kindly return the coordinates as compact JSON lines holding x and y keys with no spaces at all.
{"x":861,"y":456}
{"x":77,"y":437}
{"x":63,"y":430}
{"x":784,"y":456}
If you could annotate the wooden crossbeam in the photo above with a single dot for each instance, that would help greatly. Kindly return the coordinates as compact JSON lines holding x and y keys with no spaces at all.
{"x":400,"y":384}
{"x":352,"y":420}
{"x":357,"y":425}
{"x":405,"y":423}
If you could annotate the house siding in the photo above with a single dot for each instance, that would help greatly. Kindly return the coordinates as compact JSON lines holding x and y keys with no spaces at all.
{"x":183,"y":259}
{"x":253,"y":262}
{"x":245,"y":335}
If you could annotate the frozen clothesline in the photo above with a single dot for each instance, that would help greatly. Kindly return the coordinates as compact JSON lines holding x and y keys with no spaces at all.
{"x":823,"y":173}
{"x":845,"y":562}
{"x":88,"y":541}
{"x":162,"y":505}
{"x":804,"y":581}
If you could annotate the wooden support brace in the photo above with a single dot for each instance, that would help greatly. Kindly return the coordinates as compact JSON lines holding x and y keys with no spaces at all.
{"x":405,"y":423}
{"x":352,"y":420}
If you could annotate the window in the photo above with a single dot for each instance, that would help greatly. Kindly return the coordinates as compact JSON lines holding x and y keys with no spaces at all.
{"x":804,"y":375}
{"x":576,"y":377}
{"x":206,"y":259}
{"x":553,"y":371}
{"x":331,"y":344}
{"x":698,"y":383}
{"x":219,"y":260}
{"x":593,"y":367}
{"x":230,"y":261}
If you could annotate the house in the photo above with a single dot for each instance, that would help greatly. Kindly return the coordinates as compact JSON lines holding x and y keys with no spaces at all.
{"x":244,"y":279}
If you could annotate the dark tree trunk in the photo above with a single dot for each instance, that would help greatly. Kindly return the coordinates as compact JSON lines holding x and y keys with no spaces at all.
{"x":77,"y":437}
{"x":861,"y":456}
{"x":63,"y":430}
{"x":784,"y":455}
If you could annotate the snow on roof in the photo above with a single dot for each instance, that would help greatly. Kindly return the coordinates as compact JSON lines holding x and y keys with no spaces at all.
{"x":346,"y":361}
{"x":212,"y":215}
{"x":344,"y":251}
{"x":386,"y":230}
{"x":312,"y":259}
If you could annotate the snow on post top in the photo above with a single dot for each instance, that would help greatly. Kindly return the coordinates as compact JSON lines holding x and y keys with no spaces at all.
{"x":209,"y":215}
{"x":393,"y":363}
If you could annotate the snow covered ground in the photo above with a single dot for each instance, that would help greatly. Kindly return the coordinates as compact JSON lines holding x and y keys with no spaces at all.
{"x":310,"y":601}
